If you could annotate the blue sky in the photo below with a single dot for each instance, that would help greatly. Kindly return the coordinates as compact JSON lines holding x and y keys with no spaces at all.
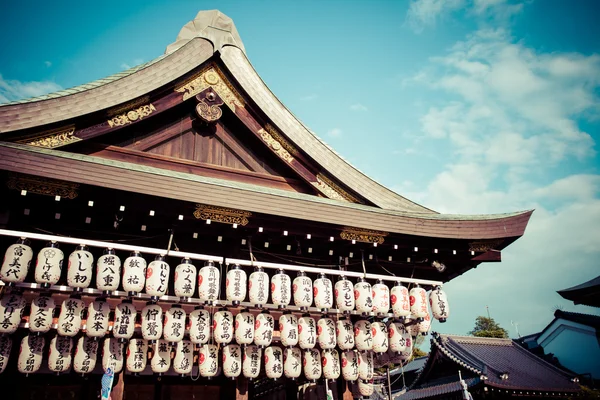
{"x":466,"y":106}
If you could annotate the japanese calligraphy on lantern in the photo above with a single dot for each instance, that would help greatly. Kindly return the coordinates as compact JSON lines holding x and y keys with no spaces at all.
{"x":152,"y":324}
{"x":223,"y":326}
{"x":302,"y":289}
{"x":209,"y":281}
{"x":59,"y":358}
{"x":259,"y":287}
{"x":30,"y":354}
{"x":344,"y":295}
{"x":209,"y":362}
{"x":235,"y":285}
{"x":323,"y":293}
{"x":184,"y":357}
{"x":157,"y":277}
{"x":137,"y":355}
{"x":251,"y":361}
{"x":185,"y":279}
{"x":273,"y":362}
{"x":85,"y":355}
{"x":161,"y":359}
{"x":108,"y":271}
{"x":288,"y":328}
{"x":263,"y":329}
{"x":134,"y":273}
{"x":281,"y":288}
{"x":244,"y":327}
{"x":350,"y":365}
{"x":307,"y":332}
{"x":17,"y":260}
{"x":400,"y":301}
{"x":345,"y":334}
{"x":362,"y":297}
{"x":232,"y":360}
{"x":80,"y":268}
{"x":5,"y":348}
{"x":124,"y":323}
{"x":292,"y":362}
{"x":49,"y":264}
{"x":174,"y":326}
{"x":12,"y":306}
{"x":112,"y":355}
{"x":97,"y":319}
{"x":312,"y":364}
{"x":200,"y":326}
{"x":326,"y":333}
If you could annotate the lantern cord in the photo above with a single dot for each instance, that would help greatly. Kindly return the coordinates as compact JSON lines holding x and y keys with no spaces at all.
{"x":170,"y":241}
{"x":362,"y":256}
{"x":297,"y":262}
{"x":382,"y":267}
{"x":103,"y":240}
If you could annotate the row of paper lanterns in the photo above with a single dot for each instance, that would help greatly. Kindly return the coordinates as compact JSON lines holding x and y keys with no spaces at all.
{"x":154,"y":279}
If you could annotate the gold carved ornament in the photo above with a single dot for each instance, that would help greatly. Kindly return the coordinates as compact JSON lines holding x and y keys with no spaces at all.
{"x":45,"y":186}
{"x":481,"y":246}
{"x":211,"y":76}
{"x":363,"y":235}
{"x":340,"y":192}
{"x":222,"y":214}
{"x":277,"y":147}
{"x":131,"y":116}
{"x":54,"y":138}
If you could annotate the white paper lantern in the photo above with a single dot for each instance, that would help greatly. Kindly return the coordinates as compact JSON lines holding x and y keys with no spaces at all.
{"x":344,"y":295}
{"x":5,"y":348}
{"x":400,"y":301}
{"x":12,"y":306}
{"x":326,"y":333}
{"x":397,"y":334}
{"x":292,"y":363}
{"x":200,"y":326}
{"x":281,"y":289}
{"x":174,"y":326}
{"x":307,"y":332}
{"x":273,"y":362}
{"x":59,"y":356}
{"x":418,"y":302}
{"x":331,"y":364}
{"x":244,"y":327}
{"x":209,"y":362}
{"x":380,"y":337}
{"x":69,"y":319}
{"x":323,"y":293}
{"x":251,"y":361}
{"x":345,"y":334}
{"x":86,"y":353}
{"x":184,"y":357}
{"x":31,"y":354}
{"x":134,"y":273}
{"x":157,"y":277}
{"x":381,"y":298}
{"x":365,"y":366}
{"x":108,"y":271}
{"x":263,"y":329}
{"x":40,"y":317}
{"x":439,"y":304}
{"x":366,"y":389}
{"x":185,"y":279}
{"x":161,"y":359}
{"x":223,"y":326}
{"x":235,"y":285}
{"x":258,"y":285}
{"x":288,"y":329}
{"x":16,"y":263}
{"x":424,"y":326}
{"x":362,"y":335}
{"x":112,"y":355}
{"x":209,"y":283}
{"x":137,"y":355}
{"x":152,"y":322}
{"x":312,"y":364}
{"x":412,"y":326}
{"x":363,"y":296}
{"x":124,"y":324}
{"x":80,"y":268}
{"x":407,"y":353}
{"x":302,"y":288}
{"x":350,"y":365}
{"x":49,"y":265}
{"x":97,"y":319}
{"x":232,"y":360}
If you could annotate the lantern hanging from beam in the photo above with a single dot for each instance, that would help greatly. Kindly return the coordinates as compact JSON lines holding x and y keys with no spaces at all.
{"x":16,"y":263}
{"x":312,"y":364}
{"x":400,"y":301}
{"x":258,"y":287}
{"x":326,"y":333}
{"x":161,"y":359}
{"x":112,"y":355}
{"x":251,"y":361}
{"x":97,"y":319}
{"x":244,"y":327}
{"x":323,"y":293}
{"x":69,"y":319}
{"x":209,"y":283}
{"x":380,"y":337}
{"x":350,"y":365}
{"x":134,"y":273}
{"x":184,"y":357}
{"x":137,"y":355}
{"x":381,"y":298}
{"x":174,"y":326}
{"x":345,"y":334}
{"x":5,"y":348}
{"x":209,"y":362}
{"x":12,"y":306}
{"x":331,"y":364}
{"x":407,"y":353}
{"x":412,"y":326}
{"x":223,"y":326}
{"x":363,"y":338}
{"x":307,"y":332}
{"x":344,"y":295}
{"x":365,"y":366}
{"x":49,"y":265}
{"x":366,"y":389}
{"x":397,"y":334}
{"x":263,"y":329}
{"x":424,"y":326}
{"x":302,"y":288}
{"x":200,"y":326}
{"x":438,"y":300}
{"x":108,"y":271}
{"x":363,"y":296}
{"x":288,"y":328}
{"x":157,"y":277}
{"x":30,"y":354}
{"x":86,"y":353}
{"x":235,"y":285}
{"x":152,"y":322}
{"x":80,"y":268}
{"x":281,"y":289}
{"x":292,"y":363}
{"x":232,"y":361}
{"x":185,"y":279}
{"x":418,"y":302}
{"x":124,"y":324}
{"x":59,"y":356}
{"x":273,"y":362}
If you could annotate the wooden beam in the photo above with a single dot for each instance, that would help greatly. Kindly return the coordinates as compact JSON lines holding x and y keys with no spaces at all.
{"x":241,"y":388}
{"x":489,"y":256}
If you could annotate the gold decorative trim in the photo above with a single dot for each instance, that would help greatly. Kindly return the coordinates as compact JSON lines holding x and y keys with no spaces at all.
{"x":128,"y":106}
{"x":327,"y":190}
{"x":341,"y":192}
{"x":277,"y":136}
{"x":222,"y":214}
{"x":132,"y":115}
{"x":45,"y":186}
{"x":363,"y":235}
{"x":54,"y":138}
{"x":481,"y":246}
{"x":276,"y":145}
{"x":211,"y":76}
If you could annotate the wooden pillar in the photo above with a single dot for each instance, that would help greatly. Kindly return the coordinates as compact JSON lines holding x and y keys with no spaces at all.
{"x":117,"y":391}
{"x":347,"y":393}
{"x":241,"y":388}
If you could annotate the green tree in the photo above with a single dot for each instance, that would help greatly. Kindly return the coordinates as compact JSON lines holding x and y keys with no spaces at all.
{"x":487,"y":327}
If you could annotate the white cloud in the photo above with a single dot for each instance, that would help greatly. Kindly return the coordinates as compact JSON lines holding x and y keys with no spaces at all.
{"x":309,"y":97}
{"x":335,"y":132}
{"x":358,"y":107}
{"x":11,"y":90}
{"x":48,"y":64}
{"x":423,"y":13}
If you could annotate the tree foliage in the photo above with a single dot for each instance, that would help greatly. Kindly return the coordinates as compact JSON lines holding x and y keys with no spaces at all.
{"x":487,"y":327}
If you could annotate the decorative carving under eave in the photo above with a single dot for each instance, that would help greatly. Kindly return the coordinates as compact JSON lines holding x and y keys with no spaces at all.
{"x":327,"y":190}
{"x":45,"y":186}
{"x":54,"y":138}
{"x":131,"y":116}
{"x":211,"y":76}
{"x":363,"y":235}
{"x":340,"y":192}
{"x":481,"y":246}
{"x":208,"y":107}
{"x":222,"y":214}
{"x":277,"y":147}
{"x":277,"y":136}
